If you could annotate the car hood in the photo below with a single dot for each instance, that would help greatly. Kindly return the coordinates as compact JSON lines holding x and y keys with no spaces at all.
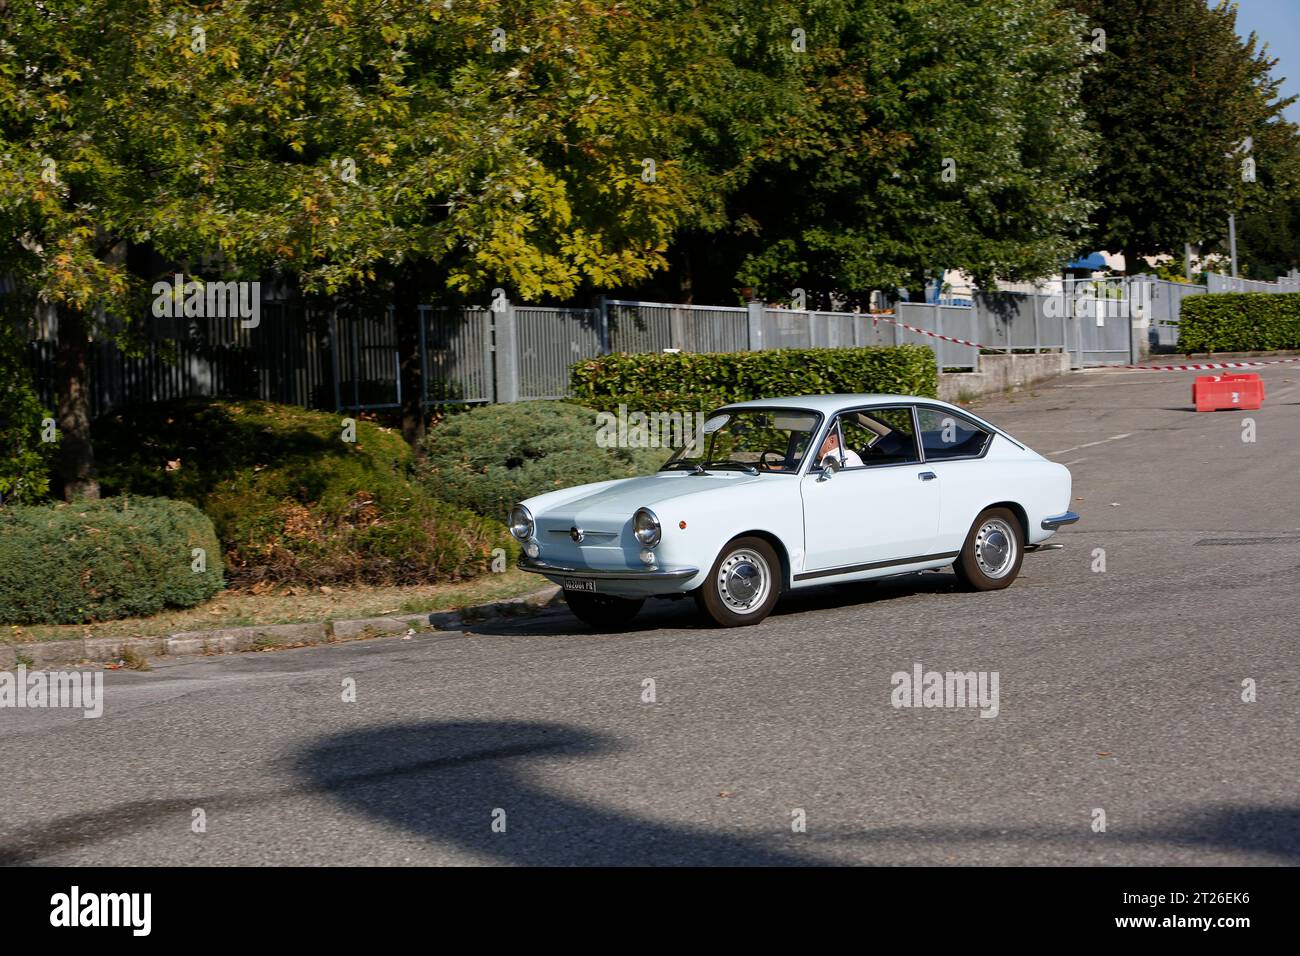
{"x":619,"y":500}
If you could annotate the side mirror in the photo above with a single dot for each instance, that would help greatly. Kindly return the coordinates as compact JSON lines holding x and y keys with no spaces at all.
{"x":829,"y":467}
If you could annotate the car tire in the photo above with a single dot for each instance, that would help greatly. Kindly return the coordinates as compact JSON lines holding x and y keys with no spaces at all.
{"x":743,"y":585}
{"x":604,"y":612}
{"x":990,"y":558}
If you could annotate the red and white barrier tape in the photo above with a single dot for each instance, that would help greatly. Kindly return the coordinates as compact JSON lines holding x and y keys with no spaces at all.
{"x":1202,"y":366}
{"x":1205,"y":366}
{"x":935,"y":335}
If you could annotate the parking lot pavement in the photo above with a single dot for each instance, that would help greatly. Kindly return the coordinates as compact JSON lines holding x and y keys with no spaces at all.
{"x":1122,"y":660}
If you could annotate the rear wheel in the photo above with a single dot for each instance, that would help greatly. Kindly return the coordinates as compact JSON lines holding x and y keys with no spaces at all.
{"x":743,"y":585}
{"x":602,"y":611}
{"x":990,"y":558}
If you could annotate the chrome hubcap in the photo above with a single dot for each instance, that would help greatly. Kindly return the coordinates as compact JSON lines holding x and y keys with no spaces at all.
{"x":995,"y":547}
{"x":744,"y":581}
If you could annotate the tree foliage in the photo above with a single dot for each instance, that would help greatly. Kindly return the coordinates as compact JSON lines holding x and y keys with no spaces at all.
{"x":917,"y":135}
{"x":1175,"y":97}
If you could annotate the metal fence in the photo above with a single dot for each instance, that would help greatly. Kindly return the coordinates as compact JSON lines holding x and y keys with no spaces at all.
{"x":1218,"y":283}
{"x":653,"y":326}
{"x":346,"y":361}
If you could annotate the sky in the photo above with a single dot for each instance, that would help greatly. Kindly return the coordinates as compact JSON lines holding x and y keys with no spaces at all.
{"x":1278,"y":23}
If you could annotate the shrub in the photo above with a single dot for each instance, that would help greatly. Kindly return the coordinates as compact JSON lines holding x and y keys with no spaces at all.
{"x":1239,"y":322}
{"x":24,"y":458}
{"x":100,"y":560}
{"x":291,"y":500}
{"x":737,"y":376}
{"x":684,"y":402}
{"x":487,"y":458}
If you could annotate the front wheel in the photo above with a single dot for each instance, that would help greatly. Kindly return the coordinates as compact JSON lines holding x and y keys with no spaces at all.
{"x":743,"y":585}
{"x":990,"y":558}
{"x":602,"y":611}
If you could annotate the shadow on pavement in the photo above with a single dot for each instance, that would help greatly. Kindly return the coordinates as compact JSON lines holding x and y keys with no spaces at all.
{"x":660,"y":613}
{"x":443,"y":781}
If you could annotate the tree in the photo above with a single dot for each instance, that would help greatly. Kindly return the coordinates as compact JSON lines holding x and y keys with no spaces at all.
{"x":426,"y":152}
{"x":1175,"y":97}
{"x":391,"y":148}
{"x":90,"y":161}
{"x":915,"y":135}
{"x":1268,"y":242}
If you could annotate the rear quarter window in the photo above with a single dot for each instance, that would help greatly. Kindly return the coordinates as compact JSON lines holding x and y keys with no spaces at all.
{"x":947,"y":435}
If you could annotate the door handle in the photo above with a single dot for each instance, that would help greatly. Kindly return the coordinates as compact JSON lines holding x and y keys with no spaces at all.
{"x":927,"y":476}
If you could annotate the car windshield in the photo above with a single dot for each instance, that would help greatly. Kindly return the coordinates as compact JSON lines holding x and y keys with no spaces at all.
{"x":751,"y":440}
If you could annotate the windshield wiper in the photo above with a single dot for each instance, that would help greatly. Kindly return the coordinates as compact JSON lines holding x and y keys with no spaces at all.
{"x":729,"y":463}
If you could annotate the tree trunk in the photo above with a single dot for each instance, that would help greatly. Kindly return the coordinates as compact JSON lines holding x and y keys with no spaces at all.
{"x":406,"y":309}
{"x":686,"y":288}
{"x":916,"y":286}
{"x":1134,"y":264}
{"x":76,"y":462}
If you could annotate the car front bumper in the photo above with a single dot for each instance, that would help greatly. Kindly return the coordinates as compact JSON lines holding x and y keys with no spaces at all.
{"x":1058,"y":521}
{"x":648,"y":574}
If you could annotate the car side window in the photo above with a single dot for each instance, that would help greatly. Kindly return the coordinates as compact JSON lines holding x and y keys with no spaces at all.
{"x":881,"y":436}
{"x":946,"y":435}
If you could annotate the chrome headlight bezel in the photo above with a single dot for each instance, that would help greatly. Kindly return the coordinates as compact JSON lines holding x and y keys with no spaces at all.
{"x":521,"y":519}
{"x":646,"y":528}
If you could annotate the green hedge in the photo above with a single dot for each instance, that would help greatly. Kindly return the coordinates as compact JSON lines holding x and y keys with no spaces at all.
{"x":24,"y":458}
{"x":737,"y":376}
{"x":291,"y":499}
{"x":1239,"y":322}
{"x":684,"y":402}
{"x":490,"y":457}
{"x":100,"y":560}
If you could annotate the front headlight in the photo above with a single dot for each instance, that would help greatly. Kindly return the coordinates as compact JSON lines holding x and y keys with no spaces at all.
{"x":521,"y":522}
{"x":645,"y":525}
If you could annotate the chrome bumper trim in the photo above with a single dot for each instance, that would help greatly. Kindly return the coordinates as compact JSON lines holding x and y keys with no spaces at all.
{"x":607,"y":574}
{"x":1051,"y":524}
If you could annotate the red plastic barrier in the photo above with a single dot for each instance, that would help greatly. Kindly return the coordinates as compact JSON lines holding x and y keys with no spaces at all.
{"x":1212,"y":393}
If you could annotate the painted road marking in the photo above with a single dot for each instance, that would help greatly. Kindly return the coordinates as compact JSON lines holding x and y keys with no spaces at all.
{"x":1092,"y":444}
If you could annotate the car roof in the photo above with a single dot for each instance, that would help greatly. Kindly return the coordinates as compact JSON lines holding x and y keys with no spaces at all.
{"x":833,"y":403}
{"x":830,"y":404}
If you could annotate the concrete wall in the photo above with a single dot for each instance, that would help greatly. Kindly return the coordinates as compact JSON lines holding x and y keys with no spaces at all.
{"x":998,"y":373}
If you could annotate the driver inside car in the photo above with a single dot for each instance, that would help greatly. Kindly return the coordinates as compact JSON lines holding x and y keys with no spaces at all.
{"x":831,"y":447}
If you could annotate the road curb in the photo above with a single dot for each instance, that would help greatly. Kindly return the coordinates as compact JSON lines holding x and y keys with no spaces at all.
{"x":264,"y":637}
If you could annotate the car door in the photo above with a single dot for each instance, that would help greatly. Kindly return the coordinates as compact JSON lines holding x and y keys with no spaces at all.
{"x":872,"y":515}
{"x":954,"y":448}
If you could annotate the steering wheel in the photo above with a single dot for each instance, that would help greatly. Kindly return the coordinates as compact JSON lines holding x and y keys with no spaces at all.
{"x":766,"y":466}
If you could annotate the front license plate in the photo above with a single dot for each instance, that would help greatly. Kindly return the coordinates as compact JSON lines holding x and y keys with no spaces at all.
{"x":579,"y":584}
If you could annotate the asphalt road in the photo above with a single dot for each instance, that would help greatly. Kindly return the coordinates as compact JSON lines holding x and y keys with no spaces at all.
{"x":1120,"y":690}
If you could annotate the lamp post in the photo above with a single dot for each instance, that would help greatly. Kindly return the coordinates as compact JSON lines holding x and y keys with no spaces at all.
{"x":1247,"y":176}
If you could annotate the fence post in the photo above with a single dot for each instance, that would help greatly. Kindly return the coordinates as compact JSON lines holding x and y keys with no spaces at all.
{"x":505,"y":353}
{"x":334,"y":358}
{"x":355,"y":356}
{"x":818,"y":330}
{"x":940,"y":346}
{"x":423,"y":312}
{"x":677,"y":328}
{"x":754,"y":308}
{"x":1139,"y":298}
{"x":602,"y":323}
